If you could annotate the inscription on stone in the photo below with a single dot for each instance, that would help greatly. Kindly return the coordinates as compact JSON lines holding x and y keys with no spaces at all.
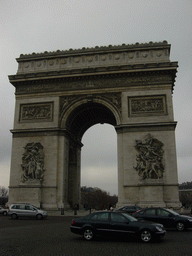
{"x":36,"y":112}
{"x":153,"y":105}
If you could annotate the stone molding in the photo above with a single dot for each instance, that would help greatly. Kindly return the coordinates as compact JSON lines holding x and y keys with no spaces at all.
{"x":96,"y":49}
{"x":39,"y":132}
{"x":112,"y":98}
{"x":146,"y":127}
{"x":81,"y":72}
{"x":94,"y":57}
{"x":152,"y":184}
{"x":101,"y":82}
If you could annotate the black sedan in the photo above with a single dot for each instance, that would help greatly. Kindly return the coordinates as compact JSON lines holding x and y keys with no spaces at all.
{"x":167,"y":217}
{"x":109,"y":223}
{"x":129,"y":209}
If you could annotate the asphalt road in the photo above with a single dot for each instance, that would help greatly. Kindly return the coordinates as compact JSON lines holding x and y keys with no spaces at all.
{"x":52,"y":236}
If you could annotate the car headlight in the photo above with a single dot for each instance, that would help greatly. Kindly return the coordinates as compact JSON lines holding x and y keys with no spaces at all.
{"x":159,"y":228}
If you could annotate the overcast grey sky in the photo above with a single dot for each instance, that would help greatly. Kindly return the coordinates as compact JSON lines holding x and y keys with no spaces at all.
{"x":29,"y":26}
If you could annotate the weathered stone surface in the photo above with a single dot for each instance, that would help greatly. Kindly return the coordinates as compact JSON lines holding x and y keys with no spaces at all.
{"x":59,"y":95}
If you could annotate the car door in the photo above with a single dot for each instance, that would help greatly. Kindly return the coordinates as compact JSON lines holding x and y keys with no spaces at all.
{"x":120,"y":224}
{"x":20,"y":210}
{"x":166,"y":218}
{"x":30,"y":211}
{"x":100,"y":222}
{"x":150,"y":215}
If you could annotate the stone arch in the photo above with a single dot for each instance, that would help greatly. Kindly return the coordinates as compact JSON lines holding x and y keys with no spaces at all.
{"x":59,"y":95}
{"x":81,"y":115}
{"x":77,"y":118}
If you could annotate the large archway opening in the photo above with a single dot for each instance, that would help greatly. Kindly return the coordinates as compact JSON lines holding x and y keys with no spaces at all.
{"x":87,"y":115}
{"x":99,"y":158}
{"x":81,"y":118}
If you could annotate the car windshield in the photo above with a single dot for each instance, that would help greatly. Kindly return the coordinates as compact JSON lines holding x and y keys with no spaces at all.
{"x":171,"y":211}
{"x":129,"y":217}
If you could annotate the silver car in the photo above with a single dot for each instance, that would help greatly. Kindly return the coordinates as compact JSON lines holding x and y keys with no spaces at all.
{"x":25,"y":210}
{"x":3,"y":211}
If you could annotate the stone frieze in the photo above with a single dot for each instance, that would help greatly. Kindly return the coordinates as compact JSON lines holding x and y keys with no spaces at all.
{"x":150,"y":105}
{"x":93,"y":83}
{"x":36,"y":112}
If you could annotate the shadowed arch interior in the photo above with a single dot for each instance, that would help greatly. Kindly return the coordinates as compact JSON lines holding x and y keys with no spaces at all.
{"x":87,"y":115}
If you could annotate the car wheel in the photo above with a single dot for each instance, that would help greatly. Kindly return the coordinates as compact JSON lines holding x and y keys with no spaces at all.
{"x":88,"y":234}
{"x":5,"y":213}
{"x":14,"y":216}
{"x":146,"y":235}
{"x":39,"y":217}
{"x":180,"y":226}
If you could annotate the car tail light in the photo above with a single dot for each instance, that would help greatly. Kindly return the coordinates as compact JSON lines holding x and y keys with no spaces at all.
{"x":137,"y":211}
{"x":73,"y":223}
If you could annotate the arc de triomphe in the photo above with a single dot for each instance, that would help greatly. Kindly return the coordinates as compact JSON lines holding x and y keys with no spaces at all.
{"x":59,"y":95}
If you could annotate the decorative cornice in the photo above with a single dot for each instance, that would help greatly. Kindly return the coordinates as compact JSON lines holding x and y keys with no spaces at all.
{"x":36,"y":132}
{"x":97,"y":71}
{"x":153,"y":184}
{"x":83,"y":59}
{"x":96,"y":49}
{"x":137,"y":62}
{"x":96,"y":81}
{"x":146,"y":127}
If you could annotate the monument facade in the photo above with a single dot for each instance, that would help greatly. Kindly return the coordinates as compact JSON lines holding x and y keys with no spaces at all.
{"x":59,"y":95}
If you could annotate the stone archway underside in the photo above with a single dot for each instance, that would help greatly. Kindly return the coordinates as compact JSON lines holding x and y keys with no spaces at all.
{"x":59,"y":95}
{"x":87,"y":115}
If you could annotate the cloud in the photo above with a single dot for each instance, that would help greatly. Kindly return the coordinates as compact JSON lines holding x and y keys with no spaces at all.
{"x":45,"y":25}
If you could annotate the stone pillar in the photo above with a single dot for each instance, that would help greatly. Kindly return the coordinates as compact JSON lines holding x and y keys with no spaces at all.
{"x":62,"y":174}
{"x":74,"y":173}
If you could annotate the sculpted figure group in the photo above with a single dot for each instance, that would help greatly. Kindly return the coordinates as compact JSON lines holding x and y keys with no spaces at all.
{"x":33,"y":162}
{"x":149,"y":160}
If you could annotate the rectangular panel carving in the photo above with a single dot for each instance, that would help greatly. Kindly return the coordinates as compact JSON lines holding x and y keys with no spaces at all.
{"x":147,"y":105}
{"x":36,"y":112}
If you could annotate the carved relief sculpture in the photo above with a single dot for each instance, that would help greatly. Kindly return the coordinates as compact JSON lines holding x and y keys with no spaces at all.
{"x":36,"y":112}
{"x":33,"y":162}
{"x":149,"y":159}
{"x":152,"y":105}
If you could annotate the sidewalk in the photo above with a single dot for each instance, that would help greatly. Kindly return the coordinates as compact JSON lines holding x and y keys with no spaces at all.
{"x":79,"y":213}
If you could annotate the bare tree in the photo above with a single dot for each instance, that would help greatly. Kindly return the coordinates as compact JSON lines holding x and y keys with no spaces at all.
{"x":3,"y":195}
{"x":96,"y":198}
{"x":3,"y":192}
